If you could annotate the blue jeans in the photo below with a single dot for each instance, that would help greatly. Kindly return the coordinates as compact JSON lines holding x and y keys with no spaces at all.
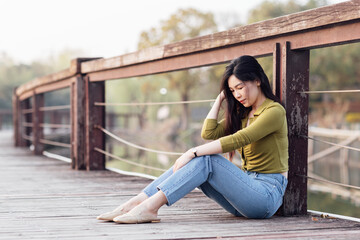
{"x":247,"y":194}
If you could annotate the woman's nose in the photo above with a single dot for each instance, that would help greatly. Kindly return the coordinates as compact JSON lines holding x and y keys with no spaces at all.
{"x":237,"y":94}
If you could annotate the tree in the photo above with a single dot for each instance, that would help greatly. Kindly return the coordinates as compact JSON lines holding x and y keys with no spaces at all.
{"x":13,"y":75}
{"x":330,"y":68}
{"x":184,"y":24}
{"x":271,"y":9}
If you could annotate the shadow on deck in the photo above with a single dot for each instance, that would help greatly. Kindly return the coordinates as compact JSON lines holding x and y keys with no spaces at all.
{"x":43,"y":198}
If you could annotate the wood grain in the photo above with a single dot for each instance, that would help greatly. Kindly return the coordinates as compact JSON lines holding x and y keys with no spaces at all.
{"x":43,"y":198}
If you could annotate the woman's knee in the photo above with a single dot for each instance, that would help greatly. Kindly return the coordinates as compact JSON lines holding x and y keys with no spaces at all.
{"x":201,"y":160}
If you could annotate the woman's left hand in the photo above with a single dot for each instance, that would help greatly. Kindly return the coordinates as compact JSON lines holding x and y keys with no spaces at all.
{"x":183,"y":160}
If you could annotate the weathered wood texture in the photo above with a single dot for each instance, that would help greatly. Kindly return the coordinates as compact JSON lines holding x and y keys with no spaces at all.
{"x":54,"y":81}
{"x":294,"y":65}
{"x":43,"y":198}
{"x":16,"y":117}
{"x":37,"y":119}
{"x":257,"y":35}
{"x":78,"y":119}
{"x":24,"y":118}
{"x":95,"y":116}
{"x":43,"y":81}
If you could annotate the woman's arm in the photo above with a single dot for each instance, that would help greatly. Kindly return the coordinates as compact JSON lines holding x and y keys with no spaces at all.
{"x":213,"y":147}
{"x":214,"y":111}
{"x":270,"y":120}
{"x":211,"y":129}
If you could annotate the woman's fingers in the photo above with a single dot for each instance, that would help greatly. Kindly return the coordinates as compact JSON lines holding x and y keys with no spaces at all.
{"x":176,"y":166}
{"x":182,"y":161}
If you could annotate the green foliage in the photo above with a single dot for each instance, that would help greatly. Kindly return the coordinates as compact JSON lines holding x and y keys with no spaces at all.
{"x":325,"y":202}
{"x":331,"y":68}
{"x":13,"y":75}
{"x":184,"y":24}
{"x":336,"y":67}
{"x":271,"y":9}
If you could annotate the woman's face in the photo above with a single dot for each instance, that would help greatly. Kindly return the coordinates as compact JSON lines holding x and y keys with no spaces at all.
{"x":247,"y":92}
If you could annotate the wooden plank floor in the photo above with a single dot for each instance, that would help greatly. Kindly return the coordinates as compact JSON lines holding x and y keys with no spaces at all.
{"x":42,"y":198}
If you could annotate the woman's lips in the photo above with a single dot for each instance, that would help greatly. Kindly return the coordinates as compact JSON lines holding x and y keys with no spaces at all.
{"x":242,"y":101}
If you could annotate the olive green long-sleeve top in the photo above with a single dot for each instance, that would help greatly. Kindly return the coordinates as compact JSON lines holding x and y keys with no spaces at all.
{"x":263,"y":144}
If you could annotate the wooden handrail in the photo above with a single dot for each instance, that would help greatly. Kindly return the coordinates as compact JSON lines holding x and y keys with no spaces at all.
{"x":52,"y":81}
{"x":328,"y":16}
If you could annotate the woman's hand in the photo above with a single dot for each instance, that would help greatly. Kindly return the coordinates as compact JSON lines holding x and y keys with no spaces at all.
{"x":221,"y":96}
{"x":183,"y":160}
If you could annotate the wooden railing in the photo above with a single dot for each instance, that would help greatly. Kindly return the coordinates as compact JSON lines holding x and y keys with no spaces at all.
{"x":288,"y":39}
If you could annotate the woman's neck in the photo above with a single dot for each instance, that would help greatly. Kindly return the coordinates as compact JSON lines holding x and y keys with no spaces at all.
{"x":260,"y":100}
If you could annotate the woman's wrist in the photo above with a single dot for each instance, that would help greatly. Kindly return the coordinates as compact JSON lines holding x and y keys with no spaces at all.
{"x":190,"y":153}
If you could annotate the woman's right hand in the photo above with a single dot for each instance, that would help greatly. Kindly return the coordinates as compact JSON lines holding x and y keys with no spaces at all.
{"x":214,"y":111}
{"x":221,"y":96}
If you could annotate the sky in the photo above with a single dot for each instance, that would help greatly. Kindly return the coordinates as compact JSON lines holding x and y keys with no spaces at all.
{"x":36,"y":29}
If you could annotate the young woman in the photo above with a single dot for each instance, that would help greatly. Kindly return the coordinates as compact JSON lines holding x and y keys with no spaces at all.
{"x":255,"y":125}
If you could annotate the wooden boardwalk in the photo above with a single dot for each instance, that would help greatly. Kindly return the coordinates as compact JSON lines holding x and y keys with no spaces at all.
{"x":42,"y":198}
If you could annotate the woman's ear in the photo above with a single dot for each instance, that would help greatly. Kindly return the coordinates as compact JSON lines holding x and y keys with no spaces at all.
{"x":258,"y":83}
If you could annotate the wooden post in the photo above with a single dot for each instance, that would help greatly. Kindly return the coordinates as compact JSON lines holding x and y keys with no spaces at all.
{"x":95,"y":115}
{"x":294,"y":69}
{"x":15,"y":107}
{"x":78,"y":116}
{"x":73,"y":120}
{"x":37,"y":119}
{"x":24,"y":117}
{"x":277,"y":69}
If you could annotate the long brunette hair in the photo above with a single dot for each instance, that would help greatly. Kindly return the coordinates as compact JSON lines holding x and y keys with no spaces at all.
{"x":245,"y":68}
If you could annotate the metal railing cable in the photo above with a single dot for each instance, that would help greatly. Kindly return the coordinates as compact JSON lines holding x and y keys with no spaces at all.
{"x":152,"y":103}
{"x":27,"y":137}
{"x":52,"y":108}
{"x":51,"y":125}
{"x":330,"y":143}
{"x":49,"y":142}
{"x":329,"y":182}
{"x":135,"y":145}
{"x":27,"y":124}
{"x":331,"y":91}
{"x":128,"y":161}
{"x":332,"y":149}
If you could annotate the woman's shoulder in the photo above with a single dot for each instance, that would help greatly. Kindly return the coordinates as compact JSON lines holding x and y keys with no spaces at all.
{"x":275,"y":106}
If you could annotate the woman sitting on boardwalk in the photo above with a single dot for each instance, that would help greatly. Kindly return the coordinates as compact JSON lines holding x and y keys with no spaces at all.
{"x":255,"y":124}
